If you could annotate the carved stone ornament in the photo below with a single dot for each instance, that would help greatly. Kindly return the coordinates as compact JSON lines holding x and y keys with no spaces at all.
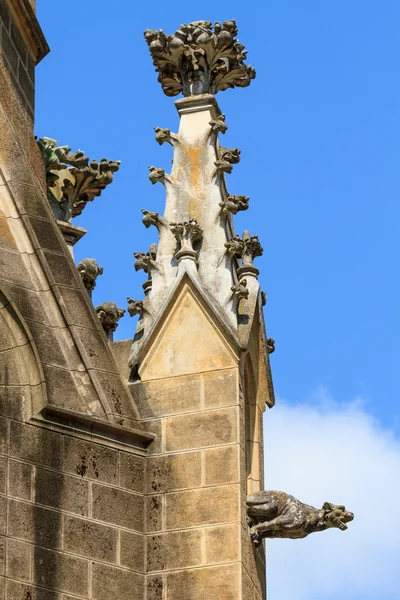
{"x":146,"y":261}
{"x":153,"y":218}
{"x":270,"y":345}
{"x":230,"y":155}
{"x":240,"y":291}
{"x":186,"y":234}
{"x":263,"y":298}
{"x":234,"y":246}
{"x":165,"y":136}
{"x":251,"y":249}
{"x":135,"y":307}
{"x":89,"y":270}
{"x":223,"y":166}
{"x":85,"y":180}
{"x":233,"y":204}
{"x":199,"y":59}
{"x":274,"y":514}
{"x":109,"y":316}
{"x":218,"y":125}
{"x":156,"y":175}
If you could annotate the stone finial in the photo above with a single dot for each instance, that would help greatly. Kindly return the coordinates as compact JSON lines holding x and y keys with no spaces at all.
{"x":89,"y":270}
{"x":109,"y":316}
{"x":135,"y":307}
{"x":156,"y":174}
{"x":199,"y":59}
{"x":233,"y":204}
{"x":186,"y":234}
{"x":218,"y":125}
{"x":273,"y":514}
{"x":251,"y":249}
{"x":71,"y":187}
{"x":240,"y":290}
{"x":230,"y":155}
{"x":270,"y":345}
{"x":164,"y":135}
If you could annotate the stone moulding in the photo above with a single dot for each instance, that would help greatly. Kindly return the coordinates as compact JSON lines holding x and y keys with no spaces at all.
{"x":199,"y":58}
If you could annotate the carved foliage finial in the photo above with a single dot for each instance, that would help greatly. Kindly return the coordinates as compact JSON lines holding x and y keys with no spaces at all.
{"x":251,"y":248}
{"x":109,"y":316}
{"x":186,"y":234}
{"x":199,"y":59}
{"x":89,"y":270}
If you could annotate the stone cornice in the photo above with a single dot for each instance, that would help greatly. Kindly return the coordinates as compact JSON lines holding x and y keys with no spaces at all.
{"x":28,"y":25}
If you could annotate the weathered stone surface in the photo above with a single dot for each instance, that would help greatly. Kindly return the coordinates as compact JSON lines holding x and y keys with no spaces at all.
{"x":35,"y":444}
{"x":203,"y":584}
{"x":49,"y":343}
{"x":18,"y":560}
{"x":167,"y":396}
{"x":63,"y":272}
{"x":12,"y":402}
{"x":3,"y":435}
{"x":2,"y":554}
{"x":110,"y":582}
{"x":131,"y":472}
{"x":118,"y":507}
{"x":222,"y":544}
{"x":202,"y":507}
{"x":17,"y":590}
{"x":20,"y":480}
{"x":220,"y":388}
{"x":201,"y":430}
{"x":222,"y":465}
{"x":91,"y":461}
{"x":3,"y":514}
{"x":34,"y":524}
{"x":59,"y":571}
{"x":89,"y":539}
{"x":155,"y":426}
{"x":154,"y":511}
{"x":61,"y":491}
{"x":133,"y":551}
{"x":47,"y":234}
{"x":174,"y":472}
{"x":3,"y":474}
{"x":155,"y":587}
{"x":174,"y":550}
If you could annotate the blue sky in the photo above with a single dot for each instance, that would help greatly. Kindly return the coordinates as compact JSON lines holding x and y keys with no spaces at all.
{"x":319,"y":131}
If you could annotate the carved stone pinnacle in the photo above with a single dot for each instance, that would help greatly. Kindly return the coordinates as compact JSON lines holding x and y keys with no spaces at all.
{"x":109,"y":316}
{"x":198,"y":59}
{"x":89,"y":270}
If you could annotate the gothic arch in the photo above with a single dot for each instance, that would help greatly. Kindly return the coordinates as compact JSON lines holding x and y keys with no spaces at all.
{"x":21,"y":374}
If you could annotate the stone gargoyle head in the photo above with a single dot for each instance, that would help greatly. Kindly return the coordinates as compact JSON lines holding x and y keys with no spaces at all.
{"x":336,"y":515}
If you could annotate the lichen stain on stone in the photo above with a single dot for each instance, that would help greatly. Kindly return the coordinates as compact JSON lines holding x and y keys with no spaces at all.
{"x":5,"y":232}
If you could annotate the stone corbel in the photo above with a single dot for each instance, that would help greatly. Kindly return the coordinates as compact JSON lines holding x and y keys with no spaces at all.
{"x":233,"y":204}
{"x":109,"y":316}
{"x":158,"y":175}
{"x":89,"y":270}
{"x":164,"y":135}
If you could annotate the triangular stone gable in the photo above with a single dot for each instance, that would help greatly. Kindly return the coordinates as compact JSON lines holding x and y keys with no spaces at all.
{"x":188,"y":339}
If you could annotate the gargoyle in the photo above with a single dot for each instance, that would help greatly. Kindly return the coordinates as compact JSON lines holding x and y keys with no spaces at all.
{"x":270,"y":345}
{"x":218,"y":125}
{"x":156,"y":174}
{"x":223,"y":166}
{"x":274,"y":514}
{"x":153,"y":218}
{"x":231,"y":155}
{"x":164,"y":135}
{"x":89,"y":270}
{"x":109,"y":315}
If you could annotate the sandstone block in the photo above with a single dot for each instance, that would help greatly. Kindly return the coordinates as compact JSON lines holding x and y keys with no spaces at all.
{"x":111,"y":582}
{"x":3,"y":472}
{"x":89,"y":539}
{"x":3,"y":514}
{"x":18,"y":560}
{"x":61,"y":491}
{"x":118,"y":507}
{"x":2,"y":554}
{"x":203,"y":584}
{"x":33,"y":523}
{"x":222,"y":465}
{"x":132,"y":551}
{"x":155,"y":426}
{"x":16,"y":590}
{"x":202,"y":507}
{"x":131,"y":472}
{"x":90,"y":461}
{"x":12,"y":402}
{"x":174,"y":550}
{"x":98,"y":355}
{"x":155,"y":587}
{"x":210,"y":428}
{"x":222,"y":544}
{"x":167,"y":396}
{"x":61,"y":572}
{"x":154,"y":506}
{"x":174,"y":472}
{"x":221,"y":388}
{"x":35,"y":444}
{"x":47,"y":234}
{"x":48,"y":343}
{"x":20,"y":480}
{"x":3,"y":435}
{"x":61,"y":269}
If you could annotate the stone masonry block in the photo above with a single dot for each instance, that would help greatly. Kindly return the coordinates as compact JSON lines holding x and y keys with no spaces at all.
{"x":174,"y":550}
{"x":154,"y":510}
{"x":118,"y":507}
{"x":222,"y":544}
{"x":174,"y":472}
{"x":209,"y":428}
{"x":61,"y":269}
{"x":3,"y":514}
{"x":214,"y":582}
{"x":20,"y":480}
{"x":155,"y":587}
{"x":35,"y":444}
{"x":49,"y":343}
{"x":61,"y":491}
{"x":2,"y":554}
{"x":89,"y":539}
{"x":202,"y":507}
{"x":222,"y":465}
{"x":16,"y":590}
{"x":155,"y":426}
{"x":47,"y":234}
{"x":90,"y":461}
{"x":131,"y":472}
{"x":34,"y":524}
{"x":132,"y":551}
{"x":167,"y":396}
{"x":221,"y":388}
{"x":111,"y":582}
{"x":62,"y":572}
{"x":3,"y":435}
{"x":3,"y":472}
{"x":18,"y":560}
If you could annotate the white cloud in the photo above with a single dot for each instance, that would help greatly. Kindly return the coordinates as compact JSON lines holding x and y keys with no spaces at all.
{"x":326,"y":451}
